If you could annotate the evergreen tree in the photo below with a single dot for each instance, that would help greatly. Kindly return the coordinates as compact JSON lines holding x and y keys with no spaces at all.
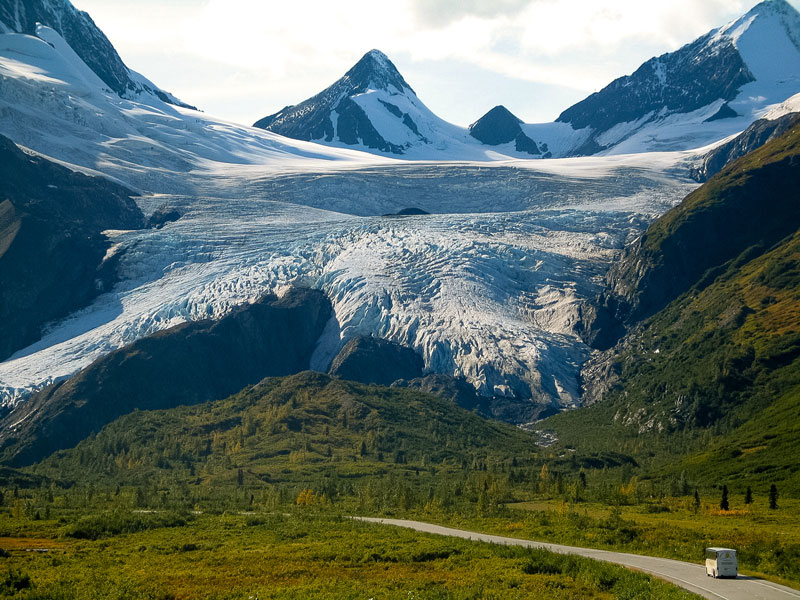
{"x":723,"y":503}
{"x":696,"y":502}
{"x":773,"y":496}
{"x":748,"y":495}
{"x":683,"y":485}
{"x":140,"y":498}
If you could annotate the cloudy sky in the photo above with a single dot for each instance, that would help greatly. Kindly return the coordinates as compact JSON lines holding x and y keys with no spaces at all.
{"x":244,"y":59}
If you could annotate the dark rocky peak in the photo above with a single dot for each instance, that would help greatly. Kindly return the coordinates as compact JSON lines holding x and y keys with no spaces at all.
{"x":375,"y":72}
{"x":375,"y":360}
{"x":498,"y":126}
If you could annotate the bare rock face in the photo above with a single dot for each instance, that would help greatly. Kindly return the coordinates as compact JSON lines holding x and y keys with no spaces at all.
{"x":373,"y":360}
{"x":51,"y":244}
{"x":188,"y":364}
{"x":737,"y":215}
{"x":755,"y":136}
{"x":458,"y":391}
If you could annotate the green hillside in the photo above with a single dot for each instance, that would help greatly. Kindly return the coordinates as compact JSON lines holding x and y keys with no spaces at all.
{"x":290,"y":430}
{"x":710,"y":385}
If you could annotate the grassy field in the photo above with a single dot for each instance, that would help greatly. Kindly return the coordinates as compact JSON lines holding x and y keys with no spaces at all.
{"x":306,"y":553}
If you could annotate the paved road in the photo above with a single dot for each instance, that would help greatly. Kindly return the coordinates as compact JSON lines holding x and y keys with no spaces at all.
{"x":686,"y":575}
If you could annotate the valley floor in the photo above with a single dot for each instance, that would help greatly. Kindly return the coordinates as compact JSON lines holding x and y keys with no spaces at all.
{"x":305,"y":554}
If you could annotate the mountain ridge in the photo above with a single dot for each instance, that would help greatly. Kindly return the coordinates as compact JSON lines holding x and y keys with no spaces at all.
{"x":711,"y":346}
{"x":86,"y":39}
{"x":715,"y":68}
{"x":705,"y":91}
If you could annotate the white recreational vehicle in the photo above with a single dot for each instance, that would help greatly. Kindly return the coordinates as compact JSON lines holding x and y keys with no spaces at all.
{"x":721,"y":562}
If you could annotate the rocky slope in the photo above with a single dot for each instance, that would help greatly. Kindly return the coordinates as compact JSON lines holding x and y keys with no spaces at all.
{"x":752,"y":138}
{"x":187,"y":364}
{"x":85,"y":38}
{"x":746,"y":209}
{"x":373,"y":360}
{"x":458,"y":391}
{"x":53,"y":254}
{"x":773,"y":124}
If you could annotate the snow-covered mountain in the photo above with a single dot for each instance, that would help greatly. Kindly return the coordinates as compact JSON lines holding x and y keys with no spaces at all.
{"x":373,"y":108}
{"x":86,"y":39}
{"x":699,"y":94}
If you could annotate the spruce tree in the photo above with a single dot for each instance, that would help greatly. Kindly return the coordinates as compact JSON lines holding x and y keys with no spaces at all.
{"x":773,"y":496}
{"x":723,"y":503}
{"x":696,"y":502}
{"x":748,"y":495}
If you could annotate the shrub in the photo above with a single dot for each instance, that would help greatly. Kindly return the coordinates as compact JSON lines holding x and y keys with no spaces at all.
{"x":113,"y":523}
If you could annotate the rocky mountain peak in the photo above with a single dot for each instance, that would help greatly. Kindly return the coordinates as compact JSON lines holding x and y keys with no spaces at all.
{"x":498,"y":126}
{"x":762,"y":47}
{"x":374,"y":71}
{"x":370,"y":106}
{"x":768,"y":10}
{"x":774,"y":6}
{"x":85,"y":38}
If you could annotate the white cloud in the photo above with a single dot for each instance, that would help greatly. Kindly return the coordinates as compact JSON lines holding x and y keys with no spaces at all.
{"x":442,"y":12}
